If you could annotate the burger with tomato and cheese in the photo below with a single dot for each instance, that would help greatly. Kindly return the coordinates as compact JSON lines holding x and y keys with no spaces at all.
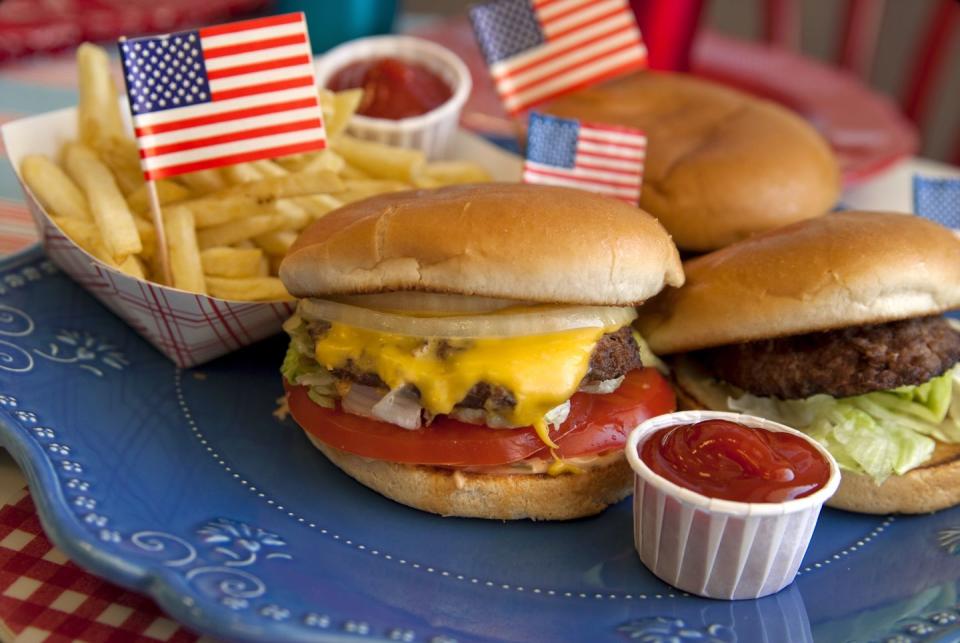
{"x":469,"y":351}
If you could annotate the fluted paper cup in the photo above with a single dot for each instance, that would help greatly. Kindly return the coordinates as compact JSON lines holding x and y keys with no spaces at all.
{"x":431,"y":132}
{"x":713,"y":547}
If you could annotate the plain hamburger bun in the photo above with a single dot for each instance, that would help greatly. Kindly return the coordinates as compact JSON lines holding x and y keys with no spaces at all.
{"x":486,"y":495}
{"x":529,"y":242}
{"x":844,"y":269}
{"x":721,"y":165}
{"x":933,"y":486}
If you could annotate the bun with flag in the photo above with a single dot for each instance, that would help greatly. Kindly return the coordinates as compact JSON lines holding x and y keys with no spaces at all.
{"x":488,"y":371}
{"x":832,"y":326}
{"x":721,"y":165}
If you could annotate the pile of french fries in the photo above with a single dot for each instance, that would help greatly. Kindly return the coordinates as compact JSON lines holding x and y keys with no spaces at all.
{"x":226,"y":229}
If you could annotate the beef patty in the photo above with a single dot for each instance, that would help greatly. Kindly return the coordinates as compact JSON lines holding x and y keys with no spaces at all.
{"x":842,"y":363}
{"x":615,"y":355}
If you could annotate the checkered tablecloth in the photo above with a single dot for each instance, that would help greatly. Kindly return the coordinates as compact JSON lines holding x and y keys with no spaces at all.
{"x":45,"y":597}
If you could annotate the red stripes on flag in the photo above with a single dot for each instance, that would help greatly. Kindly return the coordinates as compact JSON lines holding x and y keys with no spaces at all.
{"x":254,"y":98}
{"x":264,"y":66}
{"x":587,"y":42}
{"x":609,"y":160}
{"x":172,"y":126}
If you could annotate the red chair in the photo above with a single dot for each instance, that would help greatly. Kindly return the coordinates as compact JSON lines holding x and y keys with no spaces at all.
{"x":670,"y":26}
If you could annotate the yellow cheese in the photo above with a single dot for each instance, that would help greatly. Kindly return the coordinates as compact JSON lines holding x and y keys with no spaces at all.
{"x":542,"y":371}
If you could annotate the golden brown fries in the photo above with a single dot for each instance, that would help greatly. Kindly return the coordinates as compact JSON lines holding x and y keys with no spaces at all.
{"x":250,"y":288}
{"x":109,"y":208}
{"x":57,"y":193}
{"x":224,"y":261}
{"x":98,"y":115}
{"x":228,"y":228}
{"x":185,"y":264}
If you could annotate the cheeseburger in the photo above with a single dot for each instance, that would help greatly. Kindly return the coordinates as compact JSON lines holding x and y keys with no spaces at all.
{"x":468,"y":351}
{"x":721,"y":165}
{"x":832,"y":326}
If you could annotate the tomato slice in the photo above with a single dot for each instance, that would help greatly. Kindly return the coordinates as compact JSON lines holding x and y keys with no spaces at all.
{"x":596,"y":423}
{"x":643,"y":394}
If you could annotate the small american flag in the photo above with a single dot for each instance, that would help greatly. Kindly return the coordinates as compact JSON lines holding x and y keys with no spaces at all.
{"x":540,"y":49}
{"x":937,"y":199}
{"x":607,"y":159}
{"x":221,"y":95}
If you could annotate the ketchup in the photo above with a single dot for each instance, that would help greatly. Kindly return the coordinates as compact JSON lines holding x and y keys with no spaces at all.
{"x":392,"y":88}
{"x":726,"y":460}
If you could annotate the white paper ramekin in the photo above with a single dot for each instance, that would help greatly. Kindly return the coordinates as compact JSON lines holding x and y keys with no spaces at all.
{"x":431,"y":132}
{"x":720,"y":548}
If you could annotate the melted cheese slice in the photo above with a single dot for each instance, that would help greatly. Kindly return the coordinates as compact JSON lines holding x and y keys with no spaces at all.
{"x":542,"y":371}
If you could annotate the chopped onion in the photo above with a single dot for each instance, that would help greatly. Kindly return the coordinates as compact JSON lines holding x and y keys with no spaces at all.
{"x":360,"y":400}
{"x":603,"y":387}
{"x":399,"y":407}
{"x":412,"y":301}
{"x":534,"y":320}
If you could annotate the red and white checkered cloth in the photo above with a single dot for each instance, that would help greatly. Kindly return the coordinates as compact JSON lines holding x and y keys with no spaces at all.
{"x":45,"y":597}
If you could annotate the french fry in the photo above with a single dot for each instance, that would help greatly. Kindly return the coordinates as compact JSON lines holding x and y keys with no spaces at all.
{"x":241,"y":173}
{"x":317,"y":205}
{"x":122,"y":156}
{"x":263,"y":269}
{"x":133,"y":267}
{"x":258,"y":197}
{"x":326,"y":160}
{"x":232,"y":262}
{"x":378,"y":160}
{"x":148,"y":237}
{"x":353,"y":172}
{"x":452,"y":172}
{"x":185,"y":265}
{"x":358,"y":189}
{"x":167,"y":191}
{"x":86,"y":235}
{"x":57,"y":193}
{"x":98,"y":114}
{"x":247,"y":289}
{"x":276,"y":243}
{"x":110,"y":211}
{"x":338,"y":108}
{"x":270,"y":167}
{"x":287,"y":185}
{"x":241,"y":229}
{"x":204,"y":181}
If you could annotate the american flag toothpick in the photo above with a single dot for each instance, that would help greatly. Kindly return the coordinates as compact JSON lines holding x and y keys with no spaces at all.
{"x":537,"y":50}
{"x":607,"y":159}
{"x":221,"y":95}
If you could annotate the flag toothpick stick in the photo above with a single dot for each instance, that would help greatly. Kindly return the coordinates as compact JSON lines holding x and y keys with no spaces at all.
{"x":162,"y":251}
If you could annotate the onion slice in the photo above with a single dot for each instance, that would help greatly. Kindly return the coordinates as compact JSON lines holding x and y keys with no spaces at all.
{"x":532,"y":320}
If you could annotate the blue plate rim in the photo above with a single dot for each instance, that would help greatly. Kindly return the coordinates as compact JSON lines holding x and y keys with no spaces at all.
{"x":65,"y":530}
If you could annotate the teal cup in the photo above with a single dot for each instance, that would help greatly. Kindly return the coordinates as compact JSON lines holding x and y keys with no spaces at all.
{"x":332,"y":22}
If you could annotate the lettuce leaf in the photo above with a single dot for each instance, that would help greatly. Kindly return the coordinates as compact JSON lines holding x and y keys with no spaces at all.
{"x":301,"y":368}
{"x":878,"y":434}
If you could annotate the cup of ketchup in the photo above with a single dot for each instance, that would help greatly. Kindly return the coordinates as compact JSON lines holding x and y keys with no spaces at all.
{"x":414,"y":90}
{"x":725,"y":504}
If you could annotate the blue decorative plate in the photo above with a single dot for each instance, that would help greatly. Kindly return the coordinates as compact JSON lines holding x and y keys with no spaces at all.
{"x":181,"y":484}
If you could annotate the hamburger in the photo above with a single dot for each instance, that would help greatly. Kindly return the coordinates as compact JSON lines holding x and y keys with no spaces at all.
{"x":468,"y":351}
{"x":721,"y":165}
{"x":832,"y":326}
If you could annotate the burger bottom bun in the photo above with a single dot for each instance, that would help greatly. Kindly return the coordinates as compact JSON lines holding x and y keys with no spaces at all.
{"x":931,"y":487}
{"x":482,"y":495}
